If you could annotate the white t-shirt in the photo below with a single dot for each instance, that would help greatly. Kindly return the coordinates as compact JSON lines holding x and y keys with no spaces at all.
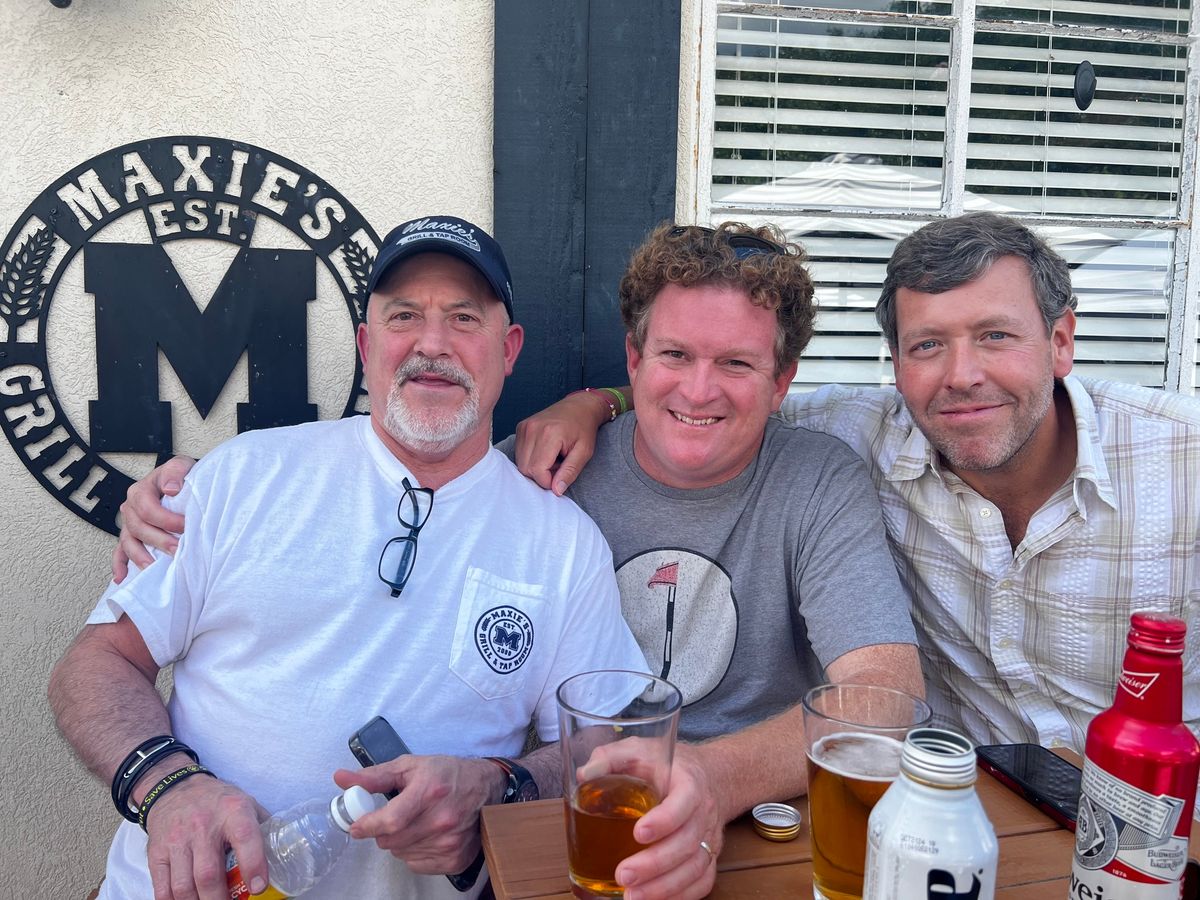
{"x":285,"y":640}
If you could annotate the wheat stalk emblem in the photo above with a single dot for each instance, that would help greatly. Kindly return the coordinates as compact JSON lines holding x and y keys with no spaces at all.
{"x":21,"y":287}
{"x":358,"y":262}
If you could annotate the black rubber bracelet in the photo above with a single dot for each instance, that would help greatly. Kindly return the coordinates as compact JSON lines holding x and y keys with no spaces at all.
{"x":165,"y":785}
{"x":143,"y":757}
{"x":130,"y":765}
{"x":141,"y":761}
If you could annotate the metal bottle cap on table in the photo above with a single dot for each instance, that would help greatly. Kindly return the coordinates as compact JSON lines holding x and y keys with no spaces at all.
{"x":776,"y":821}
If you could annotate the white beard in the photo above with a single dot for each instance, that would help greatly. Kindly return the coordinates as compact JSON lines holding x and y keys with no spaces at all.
{"x":426,"y":430}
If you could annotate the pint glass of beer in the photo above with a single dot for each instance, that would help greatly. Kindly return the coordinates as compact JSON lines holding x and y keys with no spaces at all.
{"x":853,"y":734}
{"x":618,"y":737}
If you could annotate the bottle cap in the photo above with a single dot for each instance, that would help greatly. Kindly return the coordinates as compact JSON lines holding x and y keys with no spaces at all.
{"x":776,"y":821}
{"x":938,"y":758}
{"x":351,"y":805}
{"x":1157,"y":633}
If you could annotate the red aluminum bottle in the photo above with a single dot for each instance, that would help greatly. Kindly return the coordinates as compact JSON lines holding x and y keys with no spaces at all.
{"x":1139,"y":777}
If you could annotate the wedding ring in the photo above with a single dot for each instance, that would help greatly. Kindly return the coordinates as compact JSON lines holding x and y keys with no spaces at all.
{"x":707,"y":849}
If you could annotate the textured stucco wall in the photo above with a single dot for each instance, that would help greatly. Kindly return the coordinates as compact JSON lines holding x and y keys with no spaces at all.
{"x":390,"y":103}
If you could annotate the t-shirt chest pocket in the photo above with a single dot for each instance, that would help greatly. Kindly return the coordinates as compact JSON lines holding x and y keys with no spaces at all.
{"x":498,"y":628}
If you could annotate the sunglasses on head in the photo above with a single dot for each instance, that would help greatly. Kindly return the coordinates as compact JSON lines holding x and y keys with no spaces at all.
{"x":743,"y":245}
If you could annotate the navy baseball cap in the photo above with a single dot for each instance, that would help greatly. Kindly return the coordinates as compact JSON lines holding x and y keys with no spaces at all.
{"x":447,"y":234}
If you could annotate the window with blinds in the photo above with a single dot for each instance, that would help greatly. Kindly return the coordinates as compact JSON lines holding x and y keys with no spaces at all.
{"x":851,"y":127}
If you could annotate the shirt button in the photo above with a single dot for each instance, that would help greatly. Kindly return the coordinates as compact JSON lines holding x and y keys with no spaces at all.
{"x":1056,"y":743}
{"x":1005,"y":643}
{"x":985,"y":513}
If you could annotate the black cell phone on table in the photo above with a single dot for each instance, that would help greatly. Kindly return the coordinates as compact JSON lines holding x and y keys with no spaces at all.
{"x":1043,"y":778}
{"x":377,"y":742}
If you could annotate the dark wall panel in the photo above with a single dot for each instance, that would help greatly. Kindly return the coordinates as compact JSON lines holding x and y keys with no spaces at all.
{"x":539,"y":145}
{"x":633,"y":113}
{"x":586,"y":111}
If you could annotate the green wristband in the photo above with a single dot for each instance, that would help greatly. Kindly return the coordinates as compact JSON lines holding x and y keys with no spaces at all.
{"x":620,"y":398}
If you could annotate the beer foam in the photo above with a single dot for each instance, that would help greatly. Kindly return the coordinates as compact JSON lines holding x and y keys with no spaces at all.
{"x":867,"y":757}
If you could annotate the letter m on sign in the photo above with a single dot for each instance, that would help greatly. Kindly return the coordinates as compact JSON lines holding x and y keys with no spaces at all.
{"x":142,"y":305}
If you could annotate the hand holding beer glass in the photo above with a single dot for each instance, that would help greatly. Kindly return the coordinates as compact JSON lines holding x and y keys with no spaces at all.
{"x":618,"y":738}
{"x":853,"y":734}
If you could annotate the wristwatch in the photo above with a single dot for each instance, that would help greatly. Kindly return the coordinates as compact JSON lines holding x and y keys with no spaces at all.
{"x":521,"y":786}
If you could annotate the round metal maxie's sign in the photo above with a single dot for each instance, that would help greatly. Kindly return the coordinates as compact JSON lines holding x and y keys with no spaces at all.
{"x":184,"y":267}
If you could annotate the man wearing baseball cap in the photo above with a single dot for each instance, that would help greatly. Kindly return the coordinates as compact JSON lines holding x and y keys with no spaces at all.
{"x":447,"y":235}
{"x":387,"y":565}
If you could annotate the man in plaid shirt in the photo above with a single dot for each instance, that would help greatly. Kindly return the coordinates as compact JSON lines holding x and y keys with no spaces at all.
{"x":1030,"y":510}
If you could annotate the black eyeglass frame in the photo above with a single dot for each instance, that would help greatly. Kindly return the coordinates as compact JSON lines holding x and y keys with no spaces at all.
{"x":408,"y":557}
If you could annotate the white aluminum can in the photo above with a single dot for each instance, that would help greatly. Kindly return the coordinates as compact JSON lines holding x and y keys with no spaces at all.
{"x":928,"y":838}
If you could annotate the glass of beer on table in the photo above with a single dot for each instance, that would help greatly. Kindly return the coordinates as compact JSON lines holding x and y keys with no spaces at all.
{"x":853,"y":734}
{"x":618,"y":737}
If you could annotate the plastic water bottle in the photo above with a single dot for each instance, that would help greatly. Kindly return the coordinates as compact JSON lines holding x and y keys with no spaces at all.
{"x":303,"y":843}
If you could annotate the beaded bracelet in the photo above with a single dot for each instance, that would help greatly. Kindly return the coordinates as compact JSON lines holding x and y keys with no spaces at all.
{"x":614,"y":399}
{"x":619,"y":395}
{"x":163,"y":786}
{"x":142,"y":758}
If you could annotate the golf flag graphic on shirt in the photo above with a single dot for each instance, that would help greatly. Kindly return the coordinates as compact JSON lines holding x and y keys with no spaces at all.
{"x":694,"y":650}
{"x":667,"y":574}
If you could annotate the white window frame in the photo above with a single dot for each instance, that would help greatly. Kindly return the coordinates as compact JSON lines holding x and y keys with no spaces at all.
{"x":696,"y":112}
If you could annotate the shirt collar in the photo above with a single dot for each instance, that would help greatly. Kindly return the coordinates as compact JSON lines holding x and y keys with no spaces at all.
{"x":916,"y":455}
{"x":395,"y":471}
{"x":1089,"y":456}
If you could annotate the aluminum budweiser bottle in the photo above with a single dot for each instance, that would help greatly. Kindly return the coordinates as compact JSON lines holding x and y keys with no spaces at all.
{"x":1139,"y":776}
{"x":928,"y":838}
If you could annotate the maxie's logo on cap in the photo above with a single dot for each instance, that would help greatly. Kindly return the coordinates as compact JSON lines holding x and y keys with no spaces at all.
{"x":445,"y":231}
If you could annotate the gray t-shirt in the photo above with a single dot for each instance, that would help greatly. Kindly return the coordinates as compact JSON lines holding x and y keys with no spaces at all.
{"x":742,"y":593}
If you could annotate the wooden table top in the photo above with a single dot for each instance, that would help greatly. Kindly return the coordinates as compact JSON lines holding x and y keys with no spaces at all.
{"x":526,"y":848}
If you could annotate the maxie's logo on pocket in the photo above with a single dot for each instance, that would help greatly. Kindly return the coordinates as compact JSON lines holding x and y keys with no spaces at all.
{"x":504,"y":636}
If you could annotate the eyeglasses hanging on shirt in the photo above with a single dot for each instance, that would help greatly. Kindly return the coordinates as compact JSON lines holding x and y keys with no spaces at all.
{"x":400,"y":553}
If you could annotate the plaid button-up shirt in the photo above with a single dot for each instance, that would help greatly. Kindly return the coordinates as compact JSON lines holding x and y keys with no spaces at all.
{"x":1026,"y":645}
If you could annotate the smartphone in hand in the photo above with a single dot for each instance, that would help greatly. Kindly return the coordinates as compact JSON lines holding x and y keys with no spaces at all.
{"x":1043,"y":778}
{"x":377,"y":742}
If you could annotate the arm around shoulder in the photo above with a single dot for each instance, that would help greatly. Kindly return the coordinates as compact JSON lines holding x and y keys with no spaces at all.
{"x":555,"y":444}
{"x":145,"y":521}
